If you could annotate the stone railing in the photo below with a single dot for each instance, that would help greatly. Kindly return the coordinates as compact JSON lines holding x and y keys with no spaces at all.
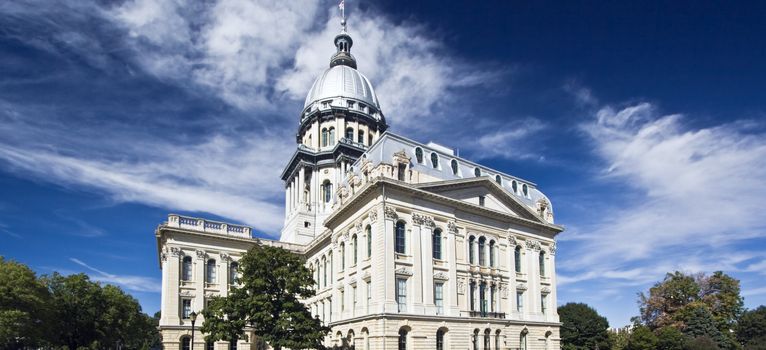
{"x":487,"y":314}
{"x":208,"y":226}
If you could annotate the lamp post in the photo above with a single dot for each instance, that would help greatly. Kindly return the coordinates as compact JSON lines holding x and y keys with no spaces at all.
{"x":193,"y":317}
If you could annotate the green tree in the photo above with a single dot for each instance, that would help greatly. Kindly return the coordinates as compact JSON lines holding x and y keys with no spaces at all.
{"x":619,"y":340}
{"x":582,"y":328}
{"x":24,"y":308}
{"x":701,"y":343}
{"x":669,"y":338}
{"x":666,"y":298}
{"x":751,"y":329}
{"x":273,"y":282}
{"x":642,"y":338}
{"x":699,"y":322}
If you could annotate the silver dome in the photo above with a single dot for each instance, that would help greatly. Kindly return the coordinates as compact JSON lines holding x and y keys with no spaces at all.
{"x":342,"y":81}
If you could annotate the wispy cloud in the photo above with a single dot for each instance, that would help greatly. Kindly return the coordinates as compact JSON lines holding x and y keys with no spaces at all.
{"x":690,"y":198}
{"x":131,"y":283}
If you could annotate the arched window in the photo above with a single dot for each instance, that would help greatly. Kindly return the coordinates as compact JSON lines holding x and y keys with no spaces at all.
{"x":434,"y":160}
{"x":517,"y":258}
{"x":477,"y":172}
{"x":525,"y":190}
{"x":482,"y":253}
{"x":436,"y":244}
{"x":483,"y":298}
{"x":325,"y":137}
{"x":471,"y":254}
{"x":350,"y":134}
{"x":498,"y":179}
{"x":419,"y":155}
{"x":440,"y":339}
{"x":185,"y":343}
{"x":186,"y":269}
{"x":497,"y":339}
{"x":360,"y":136}
{"x":492,"y":253}
{"x":475,"y":339}
{"x":399,"y":239}
{"x":542,"y":263}
{"x":342,"y":256}
{"x":332,"y":136}
{"x":317,"y":276}
{"x":453,"y":164}
{"x":401,"y":172}
{"x":233,"y":344}
{"x":330,"y":265}
{"x":324,"y":271}
{"x":402,"y":339}
{"x":472,"y":293}
{"x":369,"y":139}
{"x":210,"y":271}
{"x":515,"y":187}
{"x":327,"y":189}
{"x":486,"y":339}
{"x":209,"y":345}
{"x":523,"y":340}
{"x":354,"y":248}
{"x":368,"y":230}
{"x":233,"y":267}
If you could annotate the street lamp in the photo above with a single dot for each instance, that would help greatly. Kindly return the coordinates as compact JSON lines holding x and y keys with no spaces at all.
{"x":193,"y":317}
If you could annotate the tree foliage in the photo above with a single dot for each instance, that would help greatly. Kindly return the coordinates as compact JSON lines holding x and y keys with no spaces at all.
{"x":642,"y":338}
{"x":23,"y":306}
{"x":582,"y":328}
{"x":751,"y":329}
{"x":273,"y":281}
{"x":68,"y":311}
{"x":669,"y":338}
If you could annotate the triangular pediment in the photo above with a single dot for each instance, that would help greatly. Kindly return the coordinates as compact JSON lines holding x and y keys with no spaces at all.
{"x":495,"y":197}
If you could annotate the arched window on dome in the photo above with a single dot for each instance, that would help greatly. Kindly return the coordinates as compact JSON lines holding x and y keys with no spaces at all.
{"x":327,"y":191}
{"x":360,"y":136}
{"x":419,"y":155}
{"x":498,"y":179}
{"x":434,"y":160}
{"x":325,"y":137}
{"x":332,"y":136}
{"x":350,"y":134}
{"x":477,"y":172}
{"x":453,"y":164}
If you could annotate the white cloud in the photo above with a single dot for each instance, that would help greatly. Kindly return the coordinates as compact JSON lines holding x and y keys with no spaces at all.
{"x":129,"y":282}
{"x":696,"y":193}
{"x":519,"y":141}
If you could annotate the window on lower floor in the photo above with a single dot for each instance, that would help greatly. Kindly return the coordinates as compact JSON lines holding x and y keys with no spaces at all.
{"x":185,"y":308}
{"x":185,"y":343}
{"x":209,"y":345}
{"x":440,"y":340}
{"x":401,"y":294}
{"x":402,"y":339}
{"x":486,"y":339}
{"x":543,"y":303}
{"x":439,"y":298}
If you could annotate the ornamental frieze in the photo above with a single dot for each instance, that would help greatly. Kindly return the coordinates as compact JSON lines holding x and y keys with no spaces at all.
{"x":358,"y":227}
{"x":553,"y":248}
{"x":423,"y":220}
{"x":521,"y":287}
{"x":390,"y":213}
{"x":545,"y":290}
{"x":452,"y":226}
{"x":441,"y":276}
{"x":403,"y":271}
{"x":461,"y":287}
{"x":373,"y":215}
{"x":200,"y":254}
{"x":512,"y":241}
{"x":533,"y":244}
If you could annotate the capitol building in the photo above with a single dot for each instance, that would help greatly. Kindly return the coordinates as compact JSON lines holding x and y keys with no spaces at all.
{"x":411,"y":246}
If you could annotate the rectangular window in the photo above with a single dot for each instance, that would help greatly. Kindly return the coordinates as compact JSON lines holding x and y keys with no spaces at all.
{"x":369,"y":295}
{"x":439,"y":298}
{"x":520,"y":301}
{"x":355,"y":301}
{"x":492,"y":299}
{"x":483,"y":298}
{"x":329,"y":311}
{"x":473,"y":296}
{"x":185,"y":308}
{"x":401,"y":294}
{"x":342,"y":301}
{"x":543,"y":303}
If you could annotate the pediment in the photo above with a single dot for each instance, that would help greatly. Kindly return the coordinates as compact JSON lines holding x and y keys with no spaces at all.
{"x":495,"y":197}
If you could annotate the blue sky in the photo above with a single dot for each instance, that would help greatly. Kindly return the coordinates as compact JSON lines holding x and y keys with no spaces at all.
{"x":643,"y":122}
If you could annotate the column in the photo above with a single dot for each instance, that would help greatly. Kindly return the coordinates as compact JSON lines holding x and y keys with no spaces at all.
{"x":170,"y":281}
{"x":416,"y":250}
{"x":287,"y":201}
{"x":450,"y":303}
{"x":426,"y":269}
{"x":388,"y":293}
{"x":301,"y":187}
{"x":198,"y":303}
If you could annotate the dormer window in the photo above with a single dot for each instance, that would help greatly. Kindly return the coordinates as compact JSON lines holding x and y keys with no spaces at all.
{"x":525,"y":190}
{"x":477,"y":172}
{"x":498,"y":179}
{"x":350,"y":104}
{"x":435,"y":160}
{"x":515,"y":187}
{"x":363,"y":108}
{"x":454,"y":167}
{"x":419,"y":155}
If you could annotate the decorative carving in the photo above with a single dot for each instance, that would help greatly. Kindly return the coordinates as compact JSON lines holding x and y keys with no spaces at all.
{"x":401,"y":157}
{"x":164,"y":256}
{"x":552,"y":248}
{"x":373,"y":215}
{"x":200,"y":254}
{"x":545,"y":290}
{"x":423,"y":220}
{"x":366,"y":275}
{"x":460,"y":287}
{"x":512,"y":241}
{"x":390,"y":213}
{"x":358,"y":227}
{"x":533,"y":244}
{"x":225,"y":257}
{"x":175,"y":251}
{"x":185,"y":293}
{"x":504,"y":290}
{"x":441,"y":276}
{"x":403,"y":271}
{"x":521,"y":287}
{"x":452,"y":226}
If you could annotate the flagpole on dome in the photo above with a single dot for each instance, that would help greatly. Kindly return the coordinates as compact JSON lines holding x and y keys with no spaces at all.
{"x":342,"y":7}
